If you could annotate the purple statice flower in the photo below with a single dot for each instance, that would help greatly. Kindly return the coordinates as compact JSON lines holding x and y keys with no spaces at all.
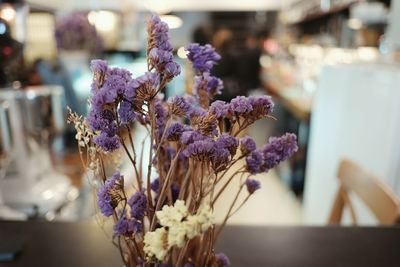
{"x":99,"y":66}
{"x":191,"y":136}
{"x":178,"y":105}
{"x":201,"y":149}
{"x":149,"y":80}
{"x":109,"y":194}
{"x":130,"y":89}
{"x":228,"y":142}
{"x":220,"y":158}
{"x":240,"y":105}
{"x":219,"y":109}
{"x":106,"y":142}
{"x":160,"y":49}
{"x":191,"y":100}
{"x":202,"y":57}
{"x":197,"y":112}
{"x":172,"y":69}
{"x":138,"y":204}
{"x":254,"y":162}
{"x":126,"y":112}
{"x":100,"y":120}
{"x":252,"y":185}
{"x":211,"y":84}
{"x":127,"y":227}
{"x":174,"y":132}
{"x":158,"y":34}
{"x":222,"y":260}
{"x":263,"y":105}
{"x":279,"y":149}
{"x":74,"y":32}
{"x":247,"y":145}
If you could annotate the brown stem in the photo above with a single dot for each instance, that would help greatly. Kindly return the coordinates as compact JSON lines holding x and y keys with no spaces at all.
{"x":163,"y":191}
{"x":229,"y":211}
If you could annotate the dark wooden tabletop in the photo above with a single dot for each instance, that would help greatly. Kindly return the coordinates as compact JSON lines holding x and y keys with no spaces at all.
{"x":84,"y":244}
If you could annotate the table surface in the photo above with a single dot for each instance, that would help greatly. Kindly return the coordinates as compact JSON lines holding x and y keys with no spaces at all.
{"x":84,"y":244}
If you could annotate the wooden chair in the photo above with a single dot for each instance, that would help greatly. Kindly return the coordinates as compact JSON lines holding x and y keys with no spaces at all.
{"x":379,"y":198}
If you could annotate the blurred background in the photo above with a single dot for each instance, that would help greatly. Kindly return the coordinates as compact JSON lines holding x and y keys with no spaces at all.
{"x":332,"y":67}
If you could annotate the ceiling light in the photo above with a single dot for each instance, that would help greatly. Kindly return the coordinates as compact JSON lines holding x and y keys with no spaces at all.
{"x":181,"y":52}
{"x":103,"y":20}
{"x":7,"y":13}
{"x":172,"y":21}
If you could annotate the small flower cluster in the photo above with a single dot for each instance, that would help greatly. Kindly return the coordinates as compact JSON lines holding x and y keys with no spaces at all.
{"x":206,"y":86}
{"x":178,"y":226}
{"x":74,"y":32}
{"x":190,"y":152}
{"x":275,"y":151}
{"x":160,"y":50}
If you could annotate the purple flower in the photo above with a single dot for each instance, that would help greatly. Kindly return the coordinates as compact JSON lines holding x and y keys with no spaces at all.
{"x":252,"y":185}
{"x":254,"y":161}
{"x":74,"y":32}
{"x":109,"y":194}
{"x":228,"y":142}
{"x":130,"y":89}
{"x":197,"y":112}
{"x":222,"y":260}
{"x":127,"y":227}
{"x":220,"y":158}
{"x":100,"y":120}
{"x":212,"y":85}
{"x":160,"y":49}
{"x":241,"y":105}
{"x":172,"y":69}
{"x":174,"y":132}
{"x":203,"y":58}
{"x":178,"y":105}
{"x":106,"y":142}
{"x":126,"y":112}
{"x":191,"y":136}
{"x":138,"y":204}
{"x":201,"y":149}
{"x":149,"y":79}
{"x":99,"y":66}
{"x":279,"y":149}
{"x":262,"y":105}
{"x":219,"y":109}
{"x":247,"y":144}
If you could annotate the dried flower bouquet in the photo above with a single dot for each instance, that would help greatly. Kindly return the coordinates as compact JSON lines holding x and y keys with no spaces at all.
{"x":168,"y":221}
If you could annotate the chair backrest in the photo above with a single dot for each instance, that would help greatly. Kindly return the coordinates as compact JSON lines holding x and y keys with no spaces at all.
{"x":377,"y":196}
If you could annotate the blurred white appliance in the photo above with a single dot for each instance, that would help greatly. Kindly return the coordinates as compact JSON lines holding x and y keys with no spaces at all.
{"x":356,"y":115}
{"x":31,"y":185}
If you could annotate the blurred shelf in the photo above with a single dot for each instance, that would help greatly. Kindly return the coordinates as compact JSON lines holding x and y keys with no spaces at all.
{"x":321,"y":14}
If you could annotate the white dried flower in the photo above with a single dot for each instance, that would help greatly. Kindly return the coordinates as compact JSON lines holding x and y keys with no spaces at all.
{"x":177,"y":235}
{"x":170,"y":215}
{"x":199,"y":223}
{"x":156,"y":243}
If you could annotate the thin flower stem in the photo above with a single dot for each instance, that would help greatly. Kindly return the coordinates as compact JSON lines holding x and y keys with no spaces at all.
{"x":240,"y":206}
{"x":225,"y":186}
{"x":163,"y":191}
{"x":229,"y":211}
{"x":150,"y":107}
{"x":134,"y":157}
